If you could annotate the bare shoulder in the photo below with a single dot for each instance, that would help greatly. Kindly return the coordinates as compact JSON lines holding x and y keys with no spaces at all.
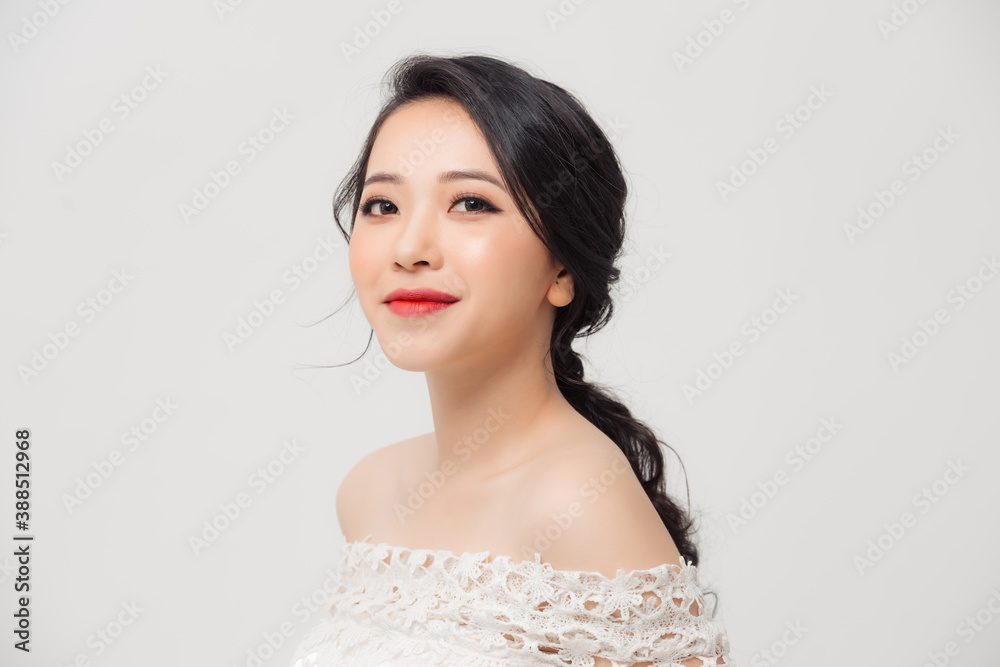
{"x":372,"y":479}
{"x":594,"y":515}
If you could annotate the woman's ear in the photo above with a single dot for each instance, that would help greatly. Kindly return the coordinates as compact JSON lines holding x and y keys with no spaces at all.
{"x":561,"y":290}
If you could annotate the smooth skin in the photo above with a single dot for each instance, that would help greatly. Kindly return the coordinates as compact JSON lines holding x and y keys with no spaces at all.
{"x":505,"y":478}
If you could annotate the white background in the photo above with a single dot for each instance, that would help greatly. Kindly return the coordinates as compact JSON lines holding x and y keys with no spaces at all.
{"x":683,"y":128}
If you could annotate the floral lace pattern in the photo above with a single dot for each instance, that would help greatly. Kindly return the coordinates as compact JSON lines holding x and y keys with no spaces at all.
{"x":396,"y":607}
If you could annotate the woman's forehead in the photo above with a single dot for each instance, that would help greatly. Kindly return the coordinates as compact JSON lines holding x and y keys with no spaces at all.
{"x":430,"y":136}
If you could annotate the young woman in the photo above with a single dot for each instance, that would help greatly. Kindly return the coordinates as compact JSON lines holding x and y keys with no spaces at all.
{"x":532,"y":526}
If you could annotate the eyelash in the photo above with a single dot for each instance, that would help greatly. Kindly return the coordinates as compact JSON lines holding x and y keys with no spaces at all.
{"x":366,"y":208}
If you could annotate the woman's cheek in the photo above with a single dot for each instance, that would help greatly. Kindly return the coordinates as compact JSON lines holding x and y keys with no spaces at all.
{"x":476,"y":252}
{"x":362,"y":266}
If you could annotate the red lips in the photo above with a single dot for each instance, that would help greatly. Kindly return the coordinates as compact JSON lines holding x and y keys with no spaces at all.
{"x":418,"y":302}
{"x":420,"y":294}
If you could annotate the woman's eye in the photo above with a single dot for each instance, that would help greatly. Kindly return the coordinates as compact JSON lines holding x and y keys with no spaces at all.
{"x":477,"y":205}
{"x":382,"y":206}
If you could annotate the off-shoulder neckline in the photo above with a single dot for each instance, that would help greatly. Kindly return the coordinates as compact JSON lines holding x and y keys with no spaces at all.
{"x":488,"y":559}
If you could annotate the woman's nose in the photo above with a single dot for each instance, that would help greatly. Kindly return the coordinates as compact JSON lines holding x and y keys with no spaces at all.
{"x":417,"y":241}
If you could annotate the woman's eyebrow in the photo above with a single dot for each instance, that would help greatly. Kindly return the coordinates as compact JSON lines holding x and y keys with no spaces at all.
{"x":445,"y":177}
{"x":470,"y":174}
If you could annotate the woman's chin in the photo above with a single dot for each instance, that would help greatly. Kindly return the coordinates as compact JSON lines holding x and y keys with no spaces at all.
{"x":409,"y":357}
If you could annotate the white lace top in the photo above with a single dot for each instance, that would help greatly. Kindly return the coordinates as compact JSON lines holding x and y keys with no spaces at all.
{"x":396,"y":607}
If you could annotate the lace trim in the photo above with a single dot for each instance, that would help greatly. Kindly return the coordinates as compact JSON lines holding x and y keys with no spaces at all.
{"x":368,"y":550}
{"x":497,"y":609}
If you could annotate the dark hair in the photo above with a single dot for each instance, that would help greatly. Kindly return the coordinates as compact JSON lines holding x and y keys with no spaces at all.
{"x":566,"y":181}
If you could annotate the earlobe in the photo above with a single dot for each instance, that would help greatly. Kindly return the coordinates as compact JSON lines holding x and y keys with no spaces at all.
{"x":561,"y":291}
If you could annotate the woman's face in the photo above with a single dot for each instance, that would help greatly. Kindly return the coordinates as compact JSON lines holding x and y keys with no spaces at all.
{"x":435,"y":214}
